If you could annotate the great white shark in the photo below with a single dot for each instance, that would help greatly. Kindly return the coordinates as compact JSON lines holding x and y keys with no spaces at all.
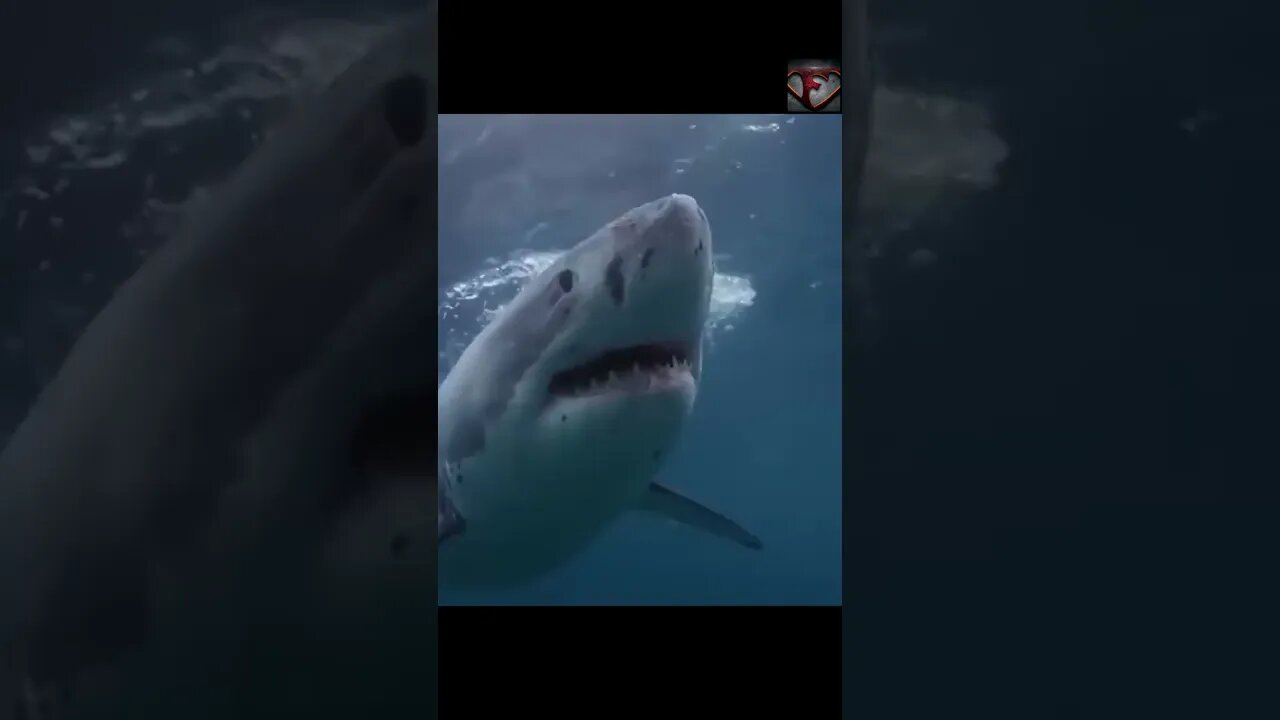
{"x":188,"y":524}
{"x":557,"y":417}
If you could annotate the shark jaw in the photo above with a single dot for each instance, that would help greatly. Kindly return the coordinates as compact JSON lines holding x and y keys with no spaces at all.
{"x":633,"y":370}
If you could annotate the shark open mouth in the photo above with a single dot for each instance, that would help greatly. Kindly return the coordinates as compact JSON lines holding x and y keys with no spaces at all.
{"x":637,"y":368}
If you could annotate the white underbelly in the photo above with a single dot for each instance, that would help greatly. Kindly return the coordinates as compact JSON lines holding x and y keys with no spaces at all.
{"x":523,"y":519}
{"x":545,"y":487}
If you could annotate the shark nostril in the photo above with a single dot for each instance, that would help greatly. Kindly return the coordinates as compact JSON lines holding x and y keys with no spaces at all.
{"x":404,"y":105}
{"x":644,"y":259}
{"x":614,"y":279}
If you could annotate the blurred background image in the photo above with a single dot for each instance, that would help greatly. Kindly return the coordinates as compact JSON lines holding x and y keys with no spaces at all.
{"x":101,"y":159}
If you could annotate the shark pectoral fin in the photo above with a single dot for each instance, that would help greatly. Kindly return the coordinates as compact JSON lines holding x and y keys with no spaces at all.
{"x":678,"y":508}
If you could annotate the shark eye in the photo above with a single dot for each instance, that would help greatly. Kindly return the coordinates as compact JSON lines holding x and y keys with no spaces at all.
{"x":566,"y":280}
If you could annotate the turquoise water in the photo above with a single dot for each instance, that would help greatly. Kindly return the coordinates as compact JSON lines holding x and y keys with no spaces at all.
{"x":763,"y":445}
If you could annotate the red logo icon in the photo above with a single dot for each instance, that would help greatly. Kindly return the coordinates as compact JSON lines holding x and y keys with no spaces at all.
{"x":813,"y":86}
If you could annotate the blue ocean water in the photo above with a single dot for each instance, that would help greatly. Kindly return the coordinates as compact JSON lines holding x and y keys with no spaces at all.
{"x":763,"y":444}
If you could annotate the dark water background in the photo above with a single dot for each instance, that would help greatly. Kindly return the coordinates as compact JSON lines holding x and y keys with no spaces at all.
{"x":1064,"y":504}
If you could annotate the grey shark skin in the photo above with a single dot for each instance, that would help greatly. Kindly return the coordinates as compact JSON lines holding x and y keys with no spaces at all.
{"x":173,"y":460}
{"x":558,"y":415}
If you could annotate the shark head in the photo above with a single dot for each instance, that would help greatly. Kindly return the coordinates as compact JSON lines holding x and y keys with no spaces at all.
{"x":628,"y":306}
{"x":561,"y":409}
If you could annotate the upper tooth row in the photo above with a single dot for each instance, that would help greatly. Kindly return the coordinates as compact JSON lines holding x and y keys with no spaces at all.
{"x":672,"y":364}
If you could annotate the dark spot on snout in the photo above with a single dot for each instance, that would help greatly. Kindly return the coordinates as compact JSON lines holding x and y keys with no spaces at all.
{"x":657,"y":454}
{"x":399,"y":544}
{"x":615,"y":281}
{"x":563,"y":418}
{"x":699,"y":248}
{"x":565,"y":279}
{"x":404,"y":105}
{"x":644,"y":259}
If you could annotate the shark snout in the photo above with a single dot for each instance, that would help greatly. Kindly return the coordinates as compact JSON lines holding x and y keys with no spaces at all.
{"x":678,"y":225}
{"x":669,"y":243}
{"x":658,"y":252}
{"x":659,"y":282}
{"x":673,"y":254}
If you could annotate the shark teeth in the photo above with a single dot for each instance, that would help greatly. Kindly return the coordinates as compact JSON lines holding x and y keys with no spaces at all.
{"x":637,"y":368}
